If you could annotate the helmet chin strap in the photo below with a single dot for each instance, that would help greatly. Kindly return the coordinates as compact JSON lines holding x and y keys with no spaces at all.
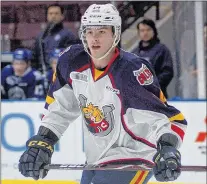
{"x":106,"y":54}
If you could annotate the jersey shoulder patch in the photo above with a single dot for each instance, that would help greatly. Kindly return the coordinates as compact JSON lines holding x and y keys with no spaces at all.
{"x":141,"y":69}
{"x":143,"y":75}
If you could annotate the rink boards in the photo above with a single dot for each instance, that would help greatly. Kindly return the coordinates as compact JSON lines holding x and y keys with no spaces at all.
{"x":21,"y":119}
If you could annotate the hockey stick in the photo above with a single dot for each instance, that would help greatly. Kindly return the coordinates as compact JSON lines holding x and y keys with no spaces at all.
{"x":119,"y":167}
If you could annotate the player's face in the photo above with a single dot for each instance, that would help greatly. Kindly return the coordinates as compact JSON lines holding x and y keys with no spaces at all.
{"x":54,"y":64}
{"x":19,"y":67}
{"x":145,"y":32}
{"x":54,"y":15}
{"x":99,"y":40}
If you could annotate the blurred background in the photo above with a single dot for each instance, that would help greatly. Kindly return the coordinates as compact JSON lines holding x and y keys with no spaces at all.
{"x":181,"y":26}
{"x":29,"y":51}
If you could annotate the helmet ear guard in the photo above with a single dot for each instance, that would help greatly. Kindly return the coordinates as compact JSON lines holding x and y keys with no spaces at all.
{"x":101,"y":15}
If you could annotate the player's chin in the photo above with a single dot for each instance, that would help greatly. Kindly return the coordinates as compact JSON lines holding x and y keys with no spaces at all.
{"x":97,"y":52}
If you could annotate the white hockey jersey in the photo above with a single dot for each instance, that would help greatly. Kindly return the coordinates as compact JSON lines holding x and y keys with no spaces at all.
{"x":124,"y":111}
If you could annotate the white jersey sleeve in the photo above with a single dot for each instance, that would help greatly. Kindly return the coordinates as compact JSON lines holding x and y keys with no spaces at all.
{"x":61,"y":107}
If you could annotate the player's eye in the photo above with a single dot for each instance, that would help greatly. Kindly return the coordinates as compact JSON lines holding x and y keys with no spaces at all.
{"x":89,"y":32}
{"x":102,"y":32}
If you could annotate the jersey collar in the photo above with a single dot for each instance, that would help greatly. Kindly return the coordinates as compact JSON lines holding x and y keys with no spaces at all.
{"x":116,"y":54}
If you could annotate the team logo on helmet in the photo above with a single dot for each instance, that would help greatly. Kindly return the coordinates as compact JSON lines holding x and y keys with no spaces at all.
{"x":144,"y":75}
{"x":99,"y":122}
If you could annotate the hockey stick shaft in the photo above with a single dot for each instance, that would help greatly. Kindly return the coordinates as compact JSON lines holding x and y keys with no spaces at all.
{"x":120,"y":167}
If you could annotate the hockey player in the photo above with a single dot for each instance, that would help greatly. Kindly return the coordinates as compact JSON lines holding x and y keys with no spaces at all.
{"x":126,"y":117}
{"x":53,"y":63}
{"x":19,"y":80}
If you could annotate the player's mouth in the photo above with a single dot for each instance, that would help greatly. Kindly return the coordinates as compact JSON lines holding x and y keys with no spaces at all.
{"x":96,"y":47}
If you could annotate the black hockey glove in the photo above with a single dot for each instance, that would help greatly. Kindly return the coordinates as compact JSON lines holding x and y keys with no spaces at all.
{"x":167,"y":163}
{"x":39,"y":151}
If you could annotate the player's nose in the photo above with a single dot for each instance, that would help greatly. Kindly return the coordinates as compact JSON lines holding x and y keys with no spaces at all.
{"x":95,"y":41}
{"x":95,"y":34}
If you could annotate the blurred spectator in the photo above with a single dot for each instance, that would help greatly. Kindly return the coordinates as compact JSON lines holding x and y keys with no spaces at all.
{"x":54,"y":36}
{"x":19,"y":80}
{"x":155,"y":52}
{"x":53,"y":63}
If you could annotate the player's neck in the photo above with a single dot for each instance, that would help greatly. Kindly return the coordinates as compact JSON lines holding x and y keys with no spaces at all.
{"x":102,"y":63}
{"x":145,"y":43}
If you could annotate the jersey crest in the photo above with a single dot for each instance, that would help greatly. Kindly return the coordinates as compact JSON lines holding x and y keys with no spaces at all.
{"x":99,"y":122}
